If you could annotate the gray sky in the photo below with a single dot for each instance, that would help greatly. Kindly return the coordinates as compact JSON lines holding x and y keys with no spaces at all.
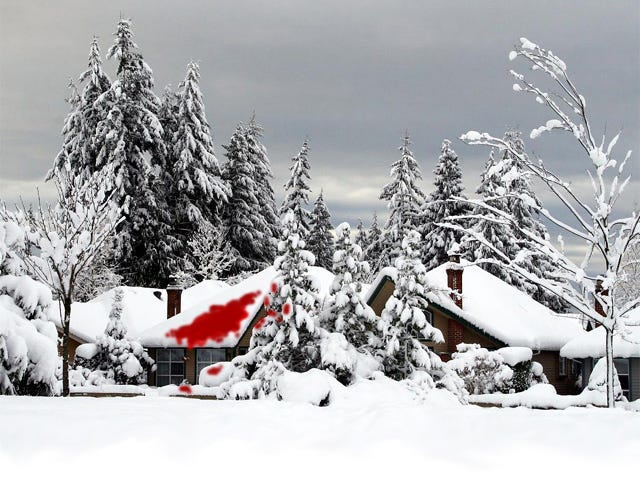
{"x":350,"y":75}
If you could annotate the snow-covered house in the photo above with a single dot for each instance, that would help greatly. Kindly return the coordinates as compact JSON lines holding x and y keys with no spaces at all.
{"x":590,"y":346}
{"x":215,"y":329}
{"x":142,"y":308}
{"x":492,"y":313}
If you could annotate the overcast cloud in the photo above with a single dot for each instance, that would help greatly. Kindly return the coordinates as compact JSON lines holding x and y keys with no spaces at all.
{"x":352,"y":76}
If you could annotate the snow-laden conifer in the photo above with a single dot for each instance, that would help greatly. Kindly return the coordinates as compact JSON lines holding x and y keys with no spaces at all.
{"x":347,"y":312}
{"x":78,"y":153}
{"x":119,"y":359}
{"x":130,"y":142}
{"x":373,"y":251}
{"x":320,"y":241}
{"x":362,"y":236}
{"x":405,"y":200}
{"x":249,"y":214}
{"x":440,"y":205}
{"x":200,"y":193}
{"x":403,"y":323}
{"x":297,"y":190}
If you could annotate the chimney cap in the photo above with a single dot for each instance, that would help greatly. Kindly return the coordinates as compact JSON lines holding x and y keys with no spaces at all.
{"x":174,"y":283}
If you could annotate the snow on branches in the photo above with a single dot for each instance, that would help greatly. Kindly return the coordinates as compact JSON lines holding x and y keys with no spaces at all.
{"x":608,"y":239}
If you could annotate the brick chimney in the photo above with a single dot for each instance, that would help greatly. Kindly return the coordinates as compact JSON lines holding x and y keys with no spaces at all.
{"x":174,"y":298}
{"x":454,"y":282}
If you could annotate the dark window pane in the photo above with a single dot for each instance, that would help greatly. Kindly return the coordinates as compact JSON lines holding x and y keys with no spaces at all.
{"x":163,"y":355}
{"x":218,"y":355}
{"x":177,"y":369}
{"x":163,"y":368}
{"x":177,"y":354}
{"x":622,"y":365}
{"x":161,"y":381}
{"x":176,"y":380}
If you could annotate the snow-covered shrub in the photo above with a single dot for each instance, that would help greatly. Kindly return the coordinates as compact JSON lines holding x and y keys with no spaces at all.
{"x":216,"y":374}
{"x":314,"y":387}
{"x":338,"y":356}
{"x":598,"y":380}
{"x":28,"y":353}
{"x":481,"y":370}
{"x":122,"y":359}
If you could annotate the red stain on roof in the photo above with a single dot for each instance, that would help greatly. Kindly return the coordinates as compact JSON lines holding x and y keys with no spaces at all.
{"x":214,"y":370}
{"x":184,"y":388}
{"x":217,"y":323}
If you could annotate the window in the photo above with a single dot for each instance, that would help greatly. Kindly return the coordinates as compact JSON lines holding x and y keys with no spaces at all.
{"x":170,"y":362}
{"x":243,"y":350}
{"x":576,"y":368}
{"x":622,"y":366}
{"x":562,"y":367}
{"x":207,"y":356}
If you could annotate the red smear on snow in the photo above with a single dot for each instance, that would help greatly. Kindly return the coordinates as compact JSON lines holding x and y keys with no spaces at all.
{"x":185,"y":389}
{"x":286,"y":309}
{"x":274,"y":288}
{"x":214,"y":370}
{"x":217,"y":323}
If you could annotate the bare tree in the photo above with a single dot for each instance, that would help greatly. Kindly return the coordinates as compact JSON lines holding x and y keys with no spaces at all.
{"x":608,"y":239}
{"x":64,"y":239}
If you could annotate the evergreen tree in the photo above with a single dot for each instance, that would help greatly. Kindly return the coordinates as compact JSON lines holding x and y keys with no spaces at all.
{"x":297,"y":191}
{"x":78,"y":153}
{"x":405,"y":200}
{"x":199,"y":192}
{"x":249,"y":215}
{"x":523,"y":204}
{"x":130,"y":142}
{"x":373,"y":251}
{"x":362,"y":236}
{"x":498,"y":233}
{"x":403,"y":321}
{"x":123,"y":361}
{"x":439,"y":206}
{"x":348,"y":313}
{"x":320,"y":241}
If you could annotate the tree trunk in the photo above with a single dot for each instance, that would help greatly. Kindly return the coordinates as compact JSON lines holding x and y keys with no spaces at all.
{"x":610,"y":384}
{"x":65,"y":348}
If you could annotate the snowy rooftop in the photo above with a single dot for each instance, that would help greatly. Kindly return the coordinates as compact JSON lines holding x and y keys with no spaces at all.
{"x":592,"y":344}
{"x":142,"y":309}
{"x":498,"y":309}
{"x":220,"y":319}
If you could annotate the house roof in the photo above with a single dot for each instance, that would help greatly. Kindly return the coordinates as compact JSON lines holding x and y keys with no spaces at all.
{"x":221,"y":319}
{"x":495,"y":308}
{"x":592,"y":344}
{"x":141,"y":309}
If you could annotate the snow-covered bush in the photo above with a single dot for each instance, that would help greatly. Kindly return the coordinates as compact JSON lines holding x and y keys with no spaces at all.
{"x":598,"y":380}
{"x":481,"y":370}
{"x":124,"y":361}
{"x":216,"y":374}
{"x":506,"y":370}
{"x":28,"y":353}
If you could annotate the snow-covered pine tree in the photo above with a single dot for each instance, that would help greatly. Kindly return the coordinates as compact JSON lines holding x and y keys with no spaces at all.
{"x":211,"y":255}
{"x":440,"y":205}
{"x":320,"y":241}
{"x":297,"y":191}
{"x":78,"y":153}
{"x":294,"y":303}
{"x":523,"y":203}
{"x":250,"y":211}
{"x":405,"y":200}
{"x":403,"y":323}
{"x":348,"y":313}
{"x":198,"y":192}
{"x":130,"y":141}
{"x":123,"y":361}
{"x":268,"y":247}
{"x":362,"y":236}
{"x":168,"y":115}
{"x":486,"y":224}
{"x":373,"y":251}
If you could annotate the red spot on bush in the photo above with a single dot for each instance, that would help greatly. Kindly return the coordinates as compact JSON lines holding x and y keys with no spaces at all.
{"x":274,"y":288}
{"x":184,"y":388}
{"x":260,"y":323}
{"x":286,"y":309}
{"x":279,"y":319}
{"x":214,"y":370}
{"x":271,"y":313}
{"x":217,"y":323}
{"x":266,"y":302}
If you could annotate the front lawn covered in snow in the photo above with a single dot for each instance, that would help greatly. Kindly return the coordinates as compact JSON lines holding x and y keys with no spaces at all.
{"x":377,"y":430}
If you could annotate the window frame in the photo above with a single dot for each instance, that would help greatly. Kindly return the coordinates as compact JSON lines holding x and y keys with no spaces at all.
{"x":171,"y":360}
{"x":200,"y":364}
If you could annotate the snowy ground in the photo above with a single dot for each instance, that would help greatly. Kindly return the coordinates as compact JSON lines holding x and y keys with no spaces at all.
{"x":369,"y":438}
